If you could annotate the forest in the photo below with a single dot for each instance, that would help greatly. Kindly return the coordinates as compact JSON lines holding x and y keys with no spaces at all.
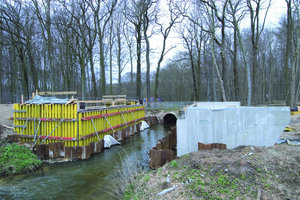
{"x":205,"y":51}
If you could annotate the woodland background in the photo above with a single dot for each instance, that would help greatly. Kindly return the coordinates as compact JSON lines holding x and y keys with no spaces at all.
{"x":99,"y":47}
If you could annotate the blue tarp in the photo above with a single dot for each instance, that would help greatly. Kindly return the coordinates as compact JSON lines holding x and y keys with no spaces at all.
{"x":47,"y":100}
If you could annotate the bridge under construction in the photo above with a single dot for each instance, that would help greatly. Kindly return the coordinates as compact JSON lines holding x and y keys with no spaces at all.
{"x":70,"y":129}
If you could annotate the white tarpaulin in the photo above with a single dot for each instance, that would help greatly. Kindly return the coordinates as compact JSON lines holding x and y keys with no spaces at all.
{"x":144,"y":126}
{"x":109,"y":141}
{"x":47,"y":100}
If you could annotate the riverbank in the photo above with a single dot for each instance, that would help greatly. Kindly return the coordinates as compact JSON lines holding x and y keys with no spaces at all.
{"x":243,"y":173}
{"x":17,"y":159}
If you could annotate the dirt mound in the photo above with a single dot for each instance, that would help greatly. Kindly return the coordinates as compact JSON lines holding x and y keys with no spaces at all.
{"x":241,"y":173}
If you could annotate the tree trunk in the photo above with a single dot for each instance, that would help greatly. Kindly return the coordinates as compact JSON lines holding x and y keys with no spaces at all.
{"x":93,"y":74}
{"x":110,"y":58}
{"x":32,"y":65}
{"x":223,"y":59}
{"x":289,"y":34}
{"x":119,"y":60}
{"x":207,"y":72}
{"x":131,"y":67}
{"x":1,"y":70}
{"x":24,"y":73}
{"x":199,"y":48}
{"x":102,"y":66}
{"x":190,"y":49}
{"x":49,"y":47}
{"x":235,"y":72}
{"x":13,"y":76}
{"x":249,"y":94}
{"x":293,"y":82}
{"x":147,"y":57}
{"x":194,"y":76}
{"x":217,"y":70}
{"x":138,"y":64}
{"x":82,"y":75}
{"x":270,"y":75}
{"x":158,"y":68}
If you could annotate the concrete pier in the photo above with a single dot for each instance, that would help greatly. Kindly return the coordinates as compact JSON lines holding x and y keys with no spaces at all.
{"x":230,"y":124}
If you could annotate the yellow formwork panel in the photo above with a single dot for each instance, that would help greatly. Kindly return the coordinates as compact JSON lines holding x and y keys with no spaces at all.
{"x":70,"y":129}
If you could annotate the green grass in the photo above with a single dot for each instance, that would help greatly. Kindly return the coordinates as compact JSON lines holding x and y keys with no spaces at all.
{"x":174,"y":163}
{"x":17,"y":159}
{"x":146,"y":178}
{"x":129,"y":194}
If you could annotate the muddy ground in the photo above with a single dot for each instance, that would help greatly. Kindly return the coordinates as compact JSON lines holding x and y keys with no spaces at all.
{"x":241,"y":173}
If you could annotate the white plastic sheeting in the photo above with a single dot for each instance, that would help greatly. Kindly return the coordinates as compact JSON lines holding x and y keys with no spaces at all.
{"x":47,"y":100}
{"x":230,"y":124}
{"x":109,"y":141}
{"x":144,"y":126}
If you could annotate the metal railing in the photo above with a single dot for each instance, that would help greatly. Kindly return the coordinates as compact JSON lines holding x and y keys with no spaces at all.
{"x":166,"y":105}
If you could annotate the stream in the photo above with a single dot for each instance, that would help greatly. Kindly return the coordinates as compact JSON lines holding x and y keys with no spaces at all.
{"x":84,"y":179}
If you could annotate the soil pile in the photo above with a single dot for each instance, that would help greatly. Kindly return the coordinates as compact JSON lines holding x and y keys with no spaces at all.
{"x":241,"y":173}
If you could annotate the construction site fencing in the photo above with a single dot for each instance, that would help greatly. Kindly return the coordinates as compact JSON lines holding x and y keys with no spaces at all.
{"x":53,"y":123}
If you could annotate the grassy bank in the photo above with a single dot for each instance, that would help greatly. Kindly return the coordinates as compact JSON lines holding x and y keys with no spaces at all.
{"x":242,"y":173}
{"x":17,"y":159}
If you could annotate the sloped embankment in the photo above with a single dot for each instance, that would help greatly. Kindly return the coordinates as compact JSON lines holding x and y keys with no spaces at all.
{"x":17,"y":159}
{"x":243,"y":173}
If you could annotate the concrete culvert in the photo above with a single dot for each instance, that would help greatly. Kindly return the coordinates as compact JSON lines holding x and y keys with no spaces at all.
{"x":170,"y":118}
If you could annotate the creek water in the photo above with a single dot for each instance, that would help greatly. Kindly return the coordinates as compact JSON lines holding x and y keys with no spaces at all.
{"x":85,"y":179}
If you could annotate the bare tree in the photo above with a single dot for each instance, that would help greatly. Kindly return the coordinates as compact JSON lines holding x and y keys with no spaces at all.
{"x":1,"y":61}
{"x":292,"y":47}
{"x":254,"y":7}
{"x":111,"y":43}
{"x":236,"y":13}
{"x":45,"y":24}
{"x":134,"y":14}
{"x":103,"y":12}
{"x":165,"y":33}
{"x":129,"y":42}
{"x":235,"y":22}
{"x":188,"y":37}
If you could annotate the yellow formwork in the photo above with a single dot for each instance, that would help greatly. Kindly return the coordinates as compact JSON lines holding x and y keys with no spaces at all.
{"x":52,"y":123}
{"x":106,"y":122}
{"x":35,"y":122}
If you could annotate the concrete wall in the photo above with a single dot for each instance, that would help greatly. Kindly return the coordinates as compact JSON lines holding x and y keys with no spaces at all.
{"x":228,"y":123}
